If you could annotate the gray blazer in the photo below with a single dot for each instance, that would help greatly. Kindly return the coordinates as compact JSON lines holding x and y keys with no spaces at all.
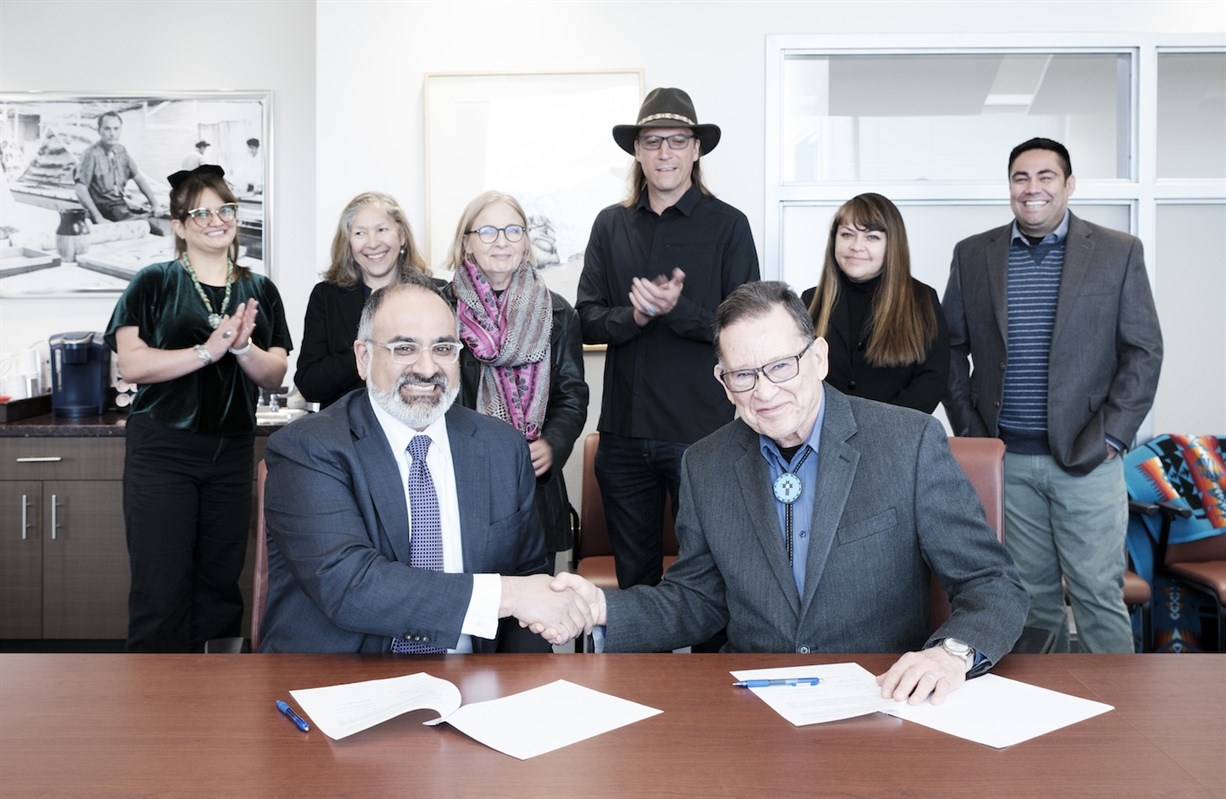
{"x":1106,"y":348}
{"x":891,"y":503}
{"x":338,"y":549}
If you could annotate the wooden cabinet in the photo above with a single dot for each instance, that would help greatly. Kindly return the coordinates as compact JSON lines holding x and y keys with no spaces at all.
{"x":63,"y":558}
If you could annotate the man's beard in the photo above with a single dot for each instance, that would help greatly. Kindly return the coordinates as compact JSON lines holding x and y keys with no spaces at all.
{"x":418,"y":412}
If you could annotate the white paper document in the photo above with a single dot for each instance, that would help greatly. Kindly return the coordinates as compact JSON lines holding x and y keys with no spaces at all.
{"x":846,"y":690}
{"x":534,"y":722}
{"x":522,"y":725}
{"x":1000,"y":712}
{"x":341,"y":710}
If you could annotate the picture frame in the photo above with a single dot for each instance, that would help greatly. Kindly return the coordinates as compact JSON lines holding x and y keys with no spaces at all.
{"x":544,"y":138}
{"x":52,"y":151}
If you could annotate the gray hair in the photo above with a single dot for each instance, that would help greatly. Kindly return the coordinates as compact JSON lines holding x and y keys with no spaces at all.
{"x":757,"y":299}
{"x":408,"y":282}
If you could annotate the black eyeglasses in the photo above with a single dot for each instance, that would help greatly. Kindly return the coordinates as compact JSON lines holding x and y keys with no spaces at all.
{"x":489,"y":233}
{"x":201,"y":216}
{"x":779,"y":371}
{"x":678,"y":141}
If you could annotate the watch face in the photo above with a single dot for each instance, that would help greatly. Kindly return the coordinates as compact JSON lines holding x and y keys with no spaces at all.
{"x":956,"y":647}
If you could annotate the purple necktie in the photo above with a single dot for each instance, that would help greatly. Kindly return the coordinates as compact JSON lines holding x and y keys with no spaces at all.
{"x":425,"y":532}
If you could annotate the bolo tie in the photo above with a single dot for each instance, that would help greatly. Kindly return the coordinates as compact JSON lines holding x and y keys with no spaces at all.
{"x":788,"y":489}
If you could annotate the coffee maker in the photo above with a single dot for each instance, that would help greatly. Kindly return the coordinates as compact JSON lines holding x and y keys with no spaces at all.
{"x":80,"y":374}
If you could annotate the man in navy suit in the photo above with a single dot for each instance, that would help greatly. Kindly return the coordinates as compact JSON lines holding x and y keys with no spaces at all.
{"x":1057,"y":315}
{"x":813,"y":522}
{"x":339,"y":503}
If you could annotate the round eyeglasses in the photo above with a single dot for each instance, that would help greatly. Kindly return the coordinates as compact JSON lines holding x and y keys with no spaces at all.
{"x":678,"y":141}
{"x":780,"y":371}
{"x":201,"y":216}
{"x":489,"y":233}
{"x":406,"y":353}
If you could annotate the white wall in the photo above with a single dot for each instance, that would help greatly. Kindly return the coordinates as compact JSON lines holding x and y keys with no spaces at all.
{"x":175,"y":45}
{"x":347,"y":81}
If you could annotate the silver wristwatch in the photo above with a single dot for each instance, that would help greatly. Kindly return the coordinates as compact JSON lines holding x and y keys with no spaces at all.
{"x":959,"y":649}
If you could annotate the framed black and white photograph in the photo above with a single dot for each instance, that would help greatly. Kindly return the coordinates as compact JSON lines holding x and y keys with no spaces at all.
{"x":484,"y":132}
{"x":84,"y":196}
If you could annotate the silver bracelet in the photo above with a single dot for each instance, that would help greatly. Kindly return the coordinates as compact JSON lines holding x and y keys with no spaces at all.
{"x":246,"y":348}
{"x":202,"y":353}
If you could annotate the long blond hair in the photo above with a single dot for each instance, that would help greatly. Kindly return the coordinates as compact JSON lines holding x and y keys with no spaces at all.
{"x":904,"y":323}
{"x":343,"y":271}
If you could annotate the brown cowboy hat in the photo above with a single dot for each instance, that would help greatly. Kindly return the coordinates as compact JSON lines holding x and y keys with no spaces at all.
{"x":667,"y":108}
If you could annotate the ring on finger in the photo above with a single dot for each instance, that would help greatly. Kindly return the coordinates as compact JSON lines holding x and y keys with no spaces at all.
{"x":227,"y":334}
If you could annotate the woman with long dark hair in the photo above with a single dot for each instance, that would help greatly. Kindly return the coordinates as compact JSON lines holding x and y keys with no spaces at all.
{"x":200,"y":335}
{"x":885,"y":330}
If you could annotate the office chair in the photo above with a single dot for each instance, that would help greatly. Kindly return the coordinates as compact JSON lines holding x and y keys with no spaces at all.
{"x":983,"y":460}
{"x":592,"y":558}
{"x":259,"y":587}
{"x":1177,"y":489}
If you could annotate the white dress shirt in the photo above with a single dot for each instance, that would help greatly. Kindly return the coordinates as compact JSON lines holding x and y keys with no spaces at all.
{"x":481,"y":618}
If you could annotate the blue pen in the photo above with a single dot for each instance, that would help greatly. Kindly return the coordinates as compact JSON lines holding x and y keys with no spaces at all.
{"x":769,"y":683}
{"x":289,"y":713}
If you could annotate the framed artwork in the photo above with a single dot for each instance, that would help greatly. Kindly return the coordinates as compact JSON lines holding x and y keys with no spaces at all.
{"x":84,"y":199}
{"x":543,"y":137}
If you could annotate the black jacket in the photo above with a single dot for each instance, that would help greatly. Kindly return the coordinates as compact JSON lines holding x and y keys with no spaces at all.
{"x":327,"y":369}
{"x":565,"y":415}
{"x":918,"y":385}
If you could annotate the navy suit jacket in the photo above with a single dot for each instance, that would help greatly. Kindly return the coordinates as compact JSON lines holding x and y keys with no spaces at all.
{"x":1106,"y":346}
{"x":892,"y":505}
{"x":338,"y":549}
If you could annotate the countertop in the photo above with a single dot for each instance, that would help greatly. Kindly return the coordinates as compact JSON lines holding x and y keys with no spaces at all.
{"x":105,"y":426}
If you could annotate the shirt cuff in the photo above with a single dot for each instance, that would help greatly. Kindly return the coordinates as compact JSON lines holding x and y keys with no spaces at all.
{"x":481,"y":619}
{"x":598,"y":639}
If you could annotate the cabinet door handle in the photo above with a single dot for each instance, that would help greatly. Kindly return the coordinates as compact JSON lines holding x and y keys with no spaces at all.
{"x":45,"y":459}
{"x":25,"y":517}
{"x":54,"y":521}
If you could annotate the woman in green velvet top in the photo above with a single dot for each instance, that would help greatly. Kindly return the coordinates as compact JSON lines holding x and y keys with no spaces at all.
{"x":200,"y":335}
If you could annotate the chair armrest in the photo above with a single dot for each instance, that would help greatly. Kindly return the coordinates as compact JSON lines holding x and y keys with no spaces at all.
{"x":227,"y":646}
{"x":1034,"y":641}
{"x":1142,"y":508}
{"x":1172,"y":509}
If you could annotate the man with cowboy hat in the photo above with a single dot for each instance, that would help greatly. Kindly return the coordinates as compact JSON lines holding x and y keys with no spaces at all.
{"x":656,"y":267}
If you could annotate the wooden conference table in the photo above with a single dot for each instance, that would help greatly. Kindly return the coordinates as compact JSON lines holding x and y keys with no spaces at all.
{"x":205,"y":725}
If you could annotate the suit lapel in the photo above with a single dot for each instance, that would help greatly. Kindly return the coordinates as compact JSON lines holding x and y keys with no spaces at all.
{"x":472,"y":479}
{"x":997,"y":256}
{"x":753,"y":477}
{"x":382,"y":474}
{"x":836,"y":470}
{"x":1078,"y":255}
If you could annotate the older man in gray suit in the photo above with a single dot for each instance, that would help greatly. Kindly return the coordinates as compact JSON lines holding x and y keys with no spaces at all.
{"x":1058,"y":317}
{"x":812,"y":522}
{"x":399,"y":523}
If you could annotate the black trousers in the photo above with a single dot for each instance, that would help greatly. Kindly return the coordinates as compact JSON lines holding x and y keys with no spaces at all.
{"x":187,"y":512}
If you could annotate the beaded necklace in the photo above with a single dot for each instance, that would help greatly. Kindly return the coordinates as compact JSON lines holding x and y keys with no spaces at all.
{"x":214,"y":317}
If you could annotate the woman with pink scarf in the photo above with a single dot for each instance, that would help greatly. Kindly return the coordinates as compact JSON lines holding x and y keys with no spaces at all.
{"x":523,"y":353}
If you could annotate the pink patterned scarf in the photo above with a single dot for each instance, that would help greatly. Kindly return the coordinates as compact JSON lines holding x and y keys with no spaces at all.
{"x":509,"y":334}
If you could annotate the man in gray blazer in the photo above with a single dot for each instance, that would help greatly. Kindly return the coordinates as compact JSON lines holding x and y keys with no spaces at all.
{"x":1058,"y":317}
{"x":340,"y":497}
{"x":813,"y":521}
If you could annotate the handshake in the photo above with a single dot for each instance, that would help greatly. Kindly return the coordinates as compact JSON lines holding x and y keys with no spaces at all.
{"x":558,"y":609}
